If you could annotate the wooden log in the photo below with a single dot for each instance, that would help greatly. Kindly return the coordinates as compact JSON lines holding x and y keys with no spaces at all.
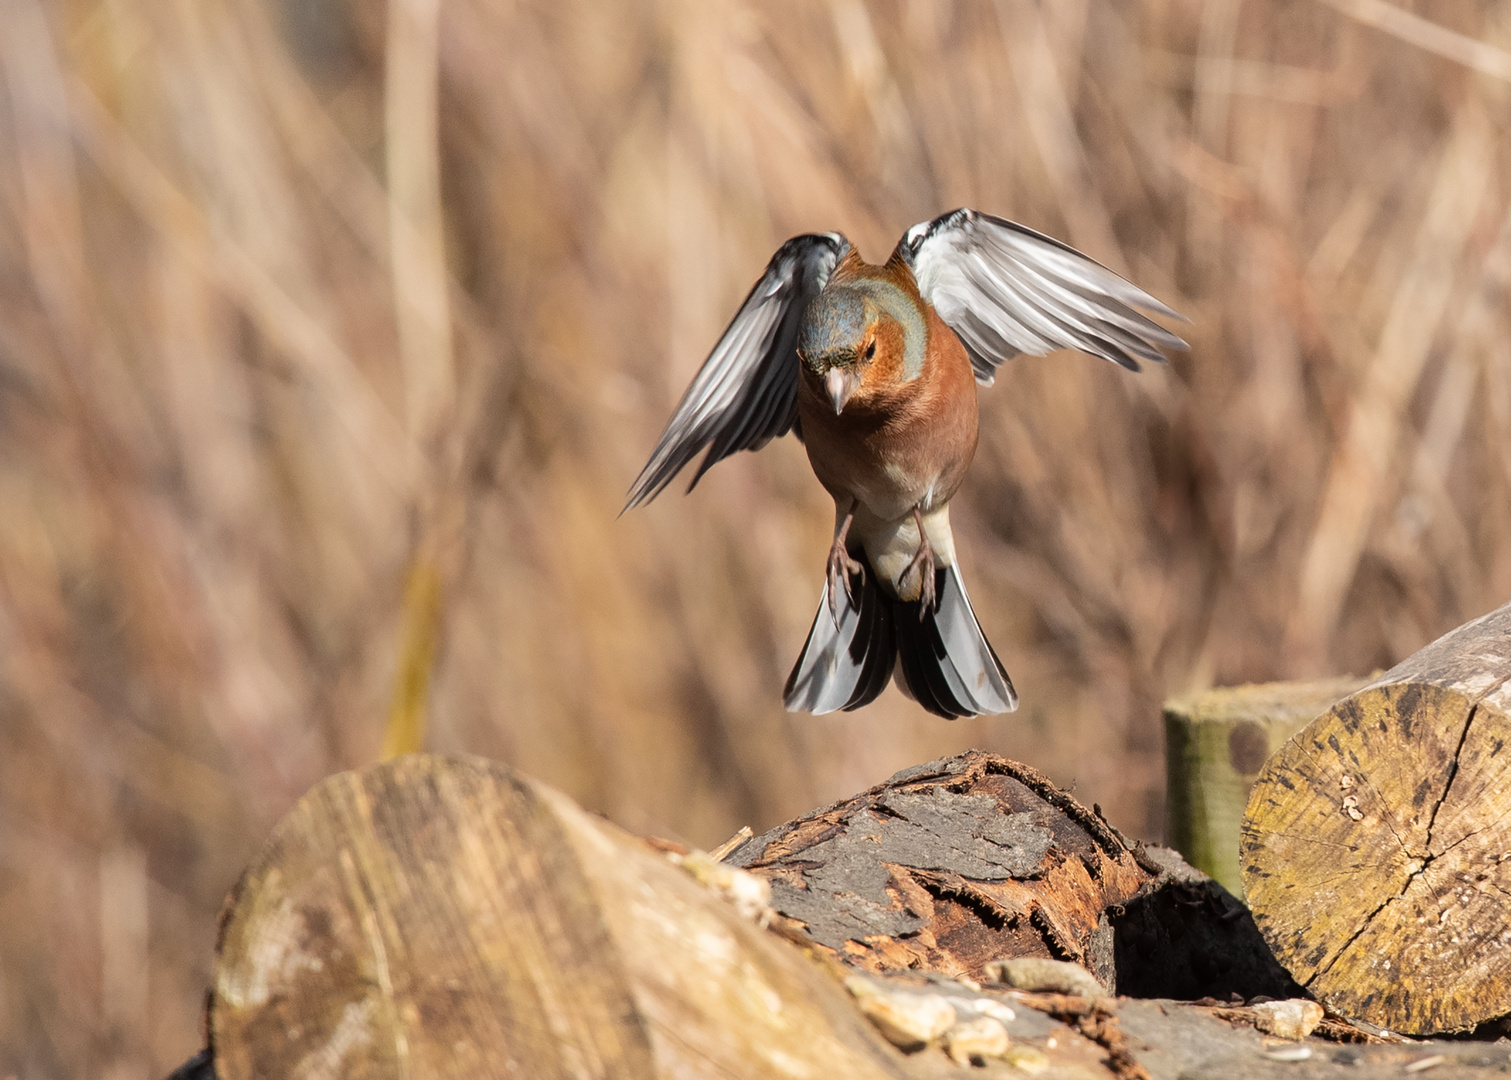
{"x":442,"y":917}
{"x":1215,"y":744}
{"x":951,"y":865}
{"x":438,"y":917}
{"x":1376,"y":845}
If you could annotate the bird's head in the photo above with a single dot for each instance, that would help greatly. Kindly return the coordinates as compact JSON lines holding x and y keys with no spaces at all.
{"x":839,"y":342}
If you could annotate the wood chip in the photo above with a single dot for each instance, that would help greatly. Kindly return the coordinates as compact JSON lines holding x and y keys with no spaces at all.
{"x":1037,"y":974}
{"x":908,"y":1020}
{"x":1289,"y":1053}
{"x":976,"y":1040}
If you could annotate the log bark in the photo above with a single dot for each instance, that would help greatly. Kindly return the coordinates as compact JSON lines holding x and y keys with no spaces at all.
{"x":951,"y":865}
{"x":1376,"y":845}
{"x":434,"y":917}
{"x":1215,"y":744}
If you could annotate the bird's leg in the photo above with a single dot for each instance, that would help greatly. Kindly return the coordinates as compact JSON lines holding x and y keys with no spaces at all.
{"x":923,"y":560}
{"x":841,"y":566}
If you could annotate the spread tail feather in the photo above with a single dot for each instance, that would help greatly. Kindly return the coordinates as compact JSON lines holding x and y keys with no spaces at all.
{"x":943,"y":661}
{"x":845,"y":665}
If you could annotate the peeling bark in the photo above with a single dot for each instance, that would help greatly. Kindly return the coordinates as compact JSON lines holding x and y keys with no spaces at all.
{"x":951,"y":865}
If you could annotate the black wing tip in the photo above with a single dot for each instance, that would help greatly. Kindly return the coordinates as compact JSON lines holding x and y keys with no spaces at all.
{"x":652,"y":481}
{"x":640,"y":494}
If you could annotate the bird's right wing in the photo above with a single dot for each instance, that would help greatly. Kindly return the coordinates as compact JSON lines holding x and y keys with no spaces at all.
{"x":746,"y":392}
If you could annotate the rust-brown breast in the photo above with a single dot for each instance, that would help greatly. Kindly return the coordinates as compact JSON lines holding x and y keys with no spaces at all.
{"x":899,"y":442}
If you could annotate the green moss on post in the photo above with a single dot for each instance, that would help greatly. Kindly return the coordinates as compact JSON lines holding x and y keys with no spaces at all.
{"x":1215,"y":744}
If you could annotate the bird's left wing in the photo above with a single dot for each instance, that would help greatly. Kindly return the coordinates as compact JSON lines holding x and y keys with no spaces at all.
{"x":1006,"y":289}
{"x":746,"y":392}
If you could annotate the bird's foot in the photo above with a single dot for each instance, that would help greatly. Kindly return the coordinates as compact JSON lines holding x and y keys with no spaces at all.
{"x":923,"y":561}
{"x":841,"y":566}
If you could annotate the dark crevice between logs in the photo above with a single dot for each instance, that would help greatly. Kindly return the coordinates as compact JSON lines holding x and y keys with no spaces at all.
{"x":1186,"y":937}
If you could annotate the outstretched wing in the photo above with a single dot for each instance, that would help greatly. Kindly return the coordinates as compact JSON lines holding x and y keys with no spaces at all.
{"x":746,"y":391}
{"x":1005,"y":289}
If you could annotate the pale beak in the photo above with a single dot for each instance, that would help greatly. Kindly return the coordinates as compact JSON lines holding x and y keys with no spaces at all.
{"x":840,"y":383}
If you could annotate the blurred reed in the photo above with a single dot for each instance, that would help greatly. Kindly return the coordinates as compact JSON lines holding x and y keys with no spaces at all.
{"x":332,"y":334}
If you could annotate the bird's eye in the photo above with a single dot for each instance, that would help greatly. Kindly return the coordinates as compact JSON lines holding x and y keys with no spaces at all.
{"x":870,"y":351}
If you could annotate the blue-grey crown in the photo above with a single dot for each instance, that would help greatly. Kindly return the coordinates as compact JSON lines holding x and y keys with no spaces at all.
{"x":835,"y":322}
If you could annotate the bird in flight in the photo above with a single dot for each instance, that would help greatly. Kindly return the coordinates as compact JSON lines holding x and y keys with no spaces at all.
{"x":875,"y":369}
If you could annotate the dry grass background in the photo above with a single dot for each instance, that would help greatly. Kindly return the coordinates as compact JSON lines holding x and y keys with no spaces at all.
{"x":296,"y":383}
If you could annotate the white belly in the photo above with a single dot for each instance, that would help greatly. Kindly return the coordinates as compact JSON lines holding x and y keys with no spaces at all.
{"x":890,"y":544}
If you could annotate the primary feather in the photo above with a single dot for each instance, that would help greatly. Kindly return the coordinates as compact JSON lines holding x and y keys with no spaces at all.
{"x":745,"y":394}
{"x":1006,"y":289}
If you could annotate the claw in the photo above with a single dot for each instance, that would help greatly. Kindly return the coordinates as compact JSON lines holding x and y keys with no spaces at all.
{"x":841,"y":566}
{"x":923,"y":562}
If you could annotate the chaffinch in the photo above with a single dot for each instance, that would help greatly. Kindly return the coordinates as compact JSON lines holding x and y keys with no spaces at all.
{"x":875,"y":369}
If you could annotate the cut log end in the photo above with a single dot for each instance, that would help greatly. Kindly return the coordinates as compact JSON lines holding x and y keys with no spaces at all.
{"x":1216,"y":743}
{"x":1376,"y":847}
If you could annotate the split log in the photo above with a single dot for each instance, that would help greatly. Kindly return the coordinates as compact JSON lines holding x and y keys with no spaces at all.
{"x":951,"y":865}
{"x":1376,"y":846}
{"x":1215,"y":744}
{"x":442,"y":917}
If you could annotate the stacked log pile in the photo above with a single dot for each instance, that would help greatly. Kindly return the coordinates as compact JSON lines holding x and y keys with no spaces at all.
{"x":442,"y":917}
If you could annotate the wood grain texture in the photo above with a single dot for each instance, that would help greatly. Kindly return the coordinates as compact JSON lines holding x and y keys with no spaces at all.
{"x":442,"y":917}
{"x":1216,"y":743}
{"x":426,"y":917}
{"x":1376,"y":846}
